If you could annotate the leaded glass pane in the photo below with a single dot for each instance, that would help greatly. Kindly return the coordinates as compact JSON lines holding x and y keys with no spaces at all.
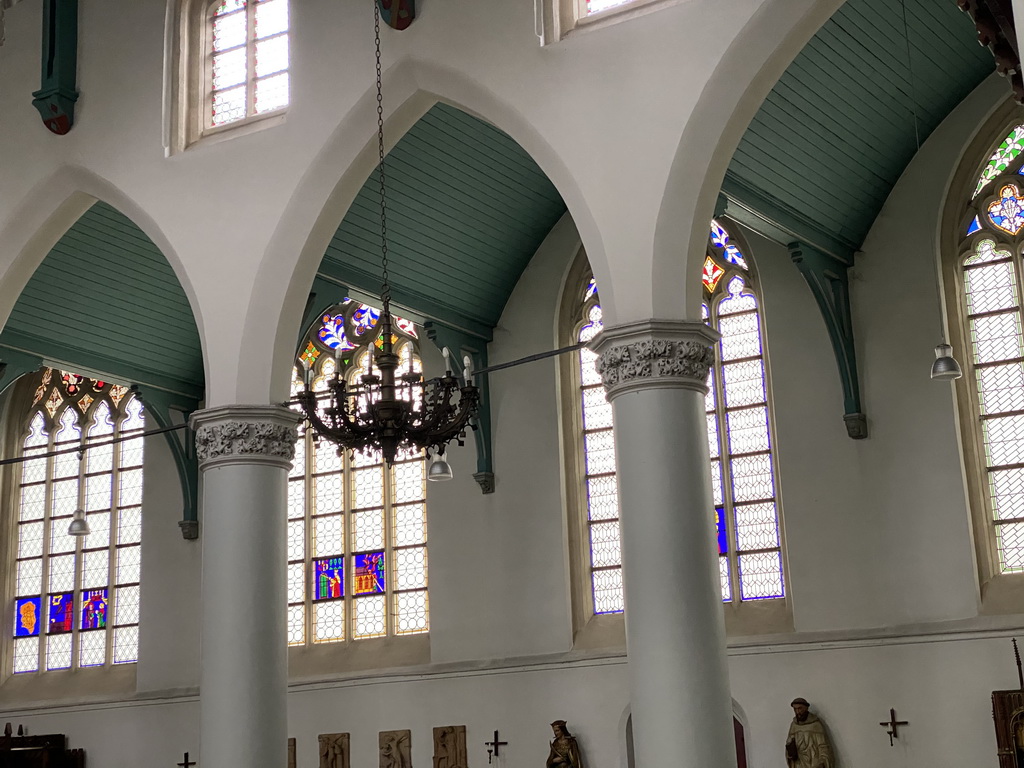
{"x":748,"y":430}
{"x":608,"y":594}
{"x":228,"y":106}
{"x":996,"y":337}
{"x":605,"y":548}
{"x":272,"y":93}
{"x":26,"y":654}
{"x":761,"y":575}
{"x":1007,"y":489}
{"x":1001,"y":388}
{"x":58,"y":651}
{"x":1005,"y":154}
{"x":411,"y":568}
{"x":990,"y":288}
{"x":369,"y":615}
{"x":229,"y":69}
{"x":271,"y":56}
{"x":411,"y":612}
{"x":126,"y":645}
{"x":1004,"y":439}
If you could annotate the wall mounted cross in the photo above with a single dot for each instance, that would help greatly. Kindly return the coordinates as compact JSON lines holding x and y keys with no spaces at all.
{"x":494,"y":747}
{"x":186,"y":763}
{"x":893,"y":725}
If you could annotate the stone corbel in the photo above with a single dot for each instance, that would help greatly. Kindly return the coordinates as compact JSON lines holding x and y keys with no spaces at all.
{"x":828,"y":280}
{"x":14,"y":364}
{"x":461,"y":343}
{"x":58,"y":93}
{"x":169,"y":410}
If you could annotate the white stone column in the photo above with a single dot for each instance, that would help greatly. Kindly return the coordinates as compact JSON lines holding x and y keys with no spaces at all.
{"x":244,"y":453}
{"x":654,"y":373}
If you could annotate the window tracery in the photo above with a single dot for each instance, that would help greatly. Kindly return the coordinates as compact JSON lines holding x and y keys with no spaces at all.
{"x":76,"y":599}
{"x":988,"y":275}
{"x":357,"y":536}
{"x":739,"y":434}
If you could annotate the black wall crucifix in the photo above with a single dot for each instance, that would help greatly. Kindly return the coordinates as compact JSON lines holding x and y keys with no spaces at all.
{"x":186,"y":763}
{"x":893,"y":725}
{"x":494,"y":747}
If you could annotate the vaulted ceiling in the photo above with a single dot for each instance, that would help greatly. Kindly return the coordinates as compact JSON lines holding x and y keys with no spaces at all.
{"x":836,"y":132}
{"x":467,"y":209}
{"x":105,"y":301}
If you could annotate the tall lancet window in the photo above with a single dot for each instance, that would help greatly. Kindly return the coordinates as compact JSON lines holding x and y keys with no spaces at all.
{"x":246,"y":62}
{"x":739,"y":431}
{"x":739,"y":428}
{"x":357,"y":529}
{"x":76,"y":599}
{"x":989,"y":229}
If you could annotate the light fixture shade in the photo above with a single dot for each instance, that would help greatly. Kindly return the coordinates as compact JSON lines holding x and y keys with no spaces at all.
{"x":79,"y":525}
{"x":439,"y":469}
{"x":945,"y":367}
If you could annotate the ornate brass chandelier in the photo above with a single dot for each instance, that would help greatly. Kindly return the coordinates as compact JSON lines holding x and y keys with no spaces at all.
{"x":386,"y":411}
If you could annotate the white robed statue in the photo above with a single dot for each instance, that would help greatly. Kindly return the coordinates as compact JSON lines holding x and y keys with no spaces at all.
{"x":807,"y":743}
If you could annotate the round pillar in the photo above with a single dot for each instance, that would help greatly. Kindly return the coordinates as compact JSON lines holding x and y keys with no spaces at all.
{"x":244,"y":454}
{"x":655,"y":375}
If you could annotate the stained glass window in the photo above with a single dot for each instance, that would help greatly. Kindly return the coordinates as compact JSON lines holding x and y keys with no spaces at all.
{"x":357,"y":532}
{"x":76,"y":599}
{"x":1005,"y":155}
{"x":739,"y":433}
{"x":247,"y":60}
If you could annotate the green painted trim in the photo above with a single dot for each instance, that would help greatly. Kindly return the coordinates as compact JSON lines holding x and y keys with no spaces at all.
{"x":14,"y":364}
{"x":774,"y":220}
{"x":170,"y":409}
{"x":56,"y":97}
{"x":65,"y":353}
{"x":483,"y":436}
{"x":830,"y":286}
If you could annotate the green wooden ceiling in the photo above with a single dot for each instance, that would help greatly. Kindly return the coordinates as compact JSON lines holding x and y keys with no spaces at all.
{"x":837,"y":130}
{"x":467,"y":209}
{"x":105,"y":300}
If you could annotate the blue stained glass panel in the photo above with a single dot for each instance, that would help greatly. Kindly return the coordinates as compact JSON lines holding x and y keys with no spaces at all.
{"x":332,"y":332}
{"x":62,"y":613}
{"x":329,"y":578}
{"x":719,"y":237}
{"x":723,"y":537}
{"x":369,"y":575}
{"x":591,"y":289}
{"x":1007,"y":212}
{"x":27,"y":616}
{"x":365,"y":318}
{"x":974,"y":226}
{"x":735,"y":256}
{"x":94,"y":609}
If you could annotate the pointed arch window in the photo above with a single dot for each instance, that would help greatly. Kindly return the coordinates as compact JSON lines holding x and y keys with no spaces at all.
{"x":357,"y":529}
{"x":76,"y":600}
{"x":987,"y":274}
{"x":739,"y":433}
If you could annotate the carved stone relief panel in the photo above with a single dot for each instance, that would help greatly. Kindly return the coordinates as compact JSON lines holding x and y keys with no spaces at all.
{"x":395,"y":749}
{"x":450,"y":747}
{"x":334,"y":750}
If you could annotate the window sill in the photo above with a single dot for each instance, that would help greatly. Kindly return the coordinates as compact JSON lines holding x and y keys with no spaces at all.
{"x":1002,"y":595}
{"x":750,"y":617}
{"x":213,"y":136}
{"x":324,"y":659}
{"x":68,"y":687}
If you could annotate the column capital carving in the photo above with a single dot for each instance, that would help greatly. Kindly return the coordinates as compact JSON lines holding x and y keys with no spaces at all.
{"x":655,"y":354}
{"x":245,"y":434}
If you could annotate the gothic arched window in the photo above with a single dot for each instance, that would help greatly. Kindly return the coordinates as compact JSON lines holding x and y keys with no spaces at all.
{"x":245,"y":61}
{"x":76,"y":599}
{"x":357,"y":529}
{"x":989,"y":230}
{"x":739,"y":428}
{"x":739,"y":434}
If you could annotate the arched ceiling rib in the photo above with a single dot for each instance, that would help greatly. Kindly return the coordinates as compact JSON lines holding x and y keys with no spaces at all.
{"x":836,"y":132}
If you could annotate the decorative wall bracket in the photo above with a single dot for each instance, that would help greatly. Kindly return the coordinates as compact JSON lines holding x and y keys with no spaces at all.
{"x":829,"y":283}
{"x":58,"y":93}
{"x":997,"y":32}
{"x":397,"y":14}
{"x":169,"y":409}
{"x":462,"y":343}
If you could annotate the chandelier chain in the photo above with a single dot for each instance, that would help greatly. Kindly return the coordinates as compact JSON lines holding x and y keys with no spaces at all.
{"x":385,"y":290}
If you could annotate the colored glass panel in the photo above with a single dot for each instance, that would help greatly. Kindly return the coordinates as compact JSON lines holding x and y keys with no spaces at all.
{"x":734,"y":256}
{"x":94,"y":609}
{"x":369,"y":573}
{"x":329,"y":578}
{"x":1007,"y":212}
{"x":1000,"y":160}
{"x":332,"y":333}
{"x":974,"y":226}
{"x":721,"y":531}
{"x":712,"y":274}
{"x":719,"y":236}
{"x":62,"y":613}
{"x":27,"y":616}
